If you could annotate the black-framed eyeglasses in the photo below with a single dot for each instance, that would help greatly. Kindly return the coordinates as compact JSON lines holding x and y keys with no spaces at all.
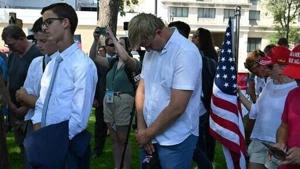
{"x":49,"y":21}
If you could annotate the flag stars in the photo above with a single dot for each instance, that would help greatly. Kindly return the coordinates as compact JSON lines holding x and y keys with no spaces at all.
{"x":226,"y":85}
{"x":229,"y":50}
{"x":234,"y":85}
{"x":222,"y":51}
{"x":228,"y":42}
{"x":233,"y":77}
{"x":232,"y":68}
{"x":223,"y":59}
{"x":230,"y":59}
{"x":225,"y":76}
{"x":223,"y":67}
{"x":218,"y":76}
{"x":227,"y":34}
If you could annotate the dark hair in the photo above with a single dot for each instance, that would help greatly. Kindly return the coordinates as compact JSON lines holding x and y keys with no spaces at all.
{"x":182,"y":27}
{"x":283,"y":42}
{"x":103,"y":47}
{"x":206,"y":43}
{"x":64,"y":10}
{"x":268,"y":49}
{"x":37,"y":25}
{"x":12,"y":31}
{"x":106,"y":40}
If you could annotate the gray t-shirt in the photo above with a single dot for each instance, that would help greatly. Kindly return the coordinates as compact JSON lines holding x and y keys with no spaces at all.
{"x":17,"y":70}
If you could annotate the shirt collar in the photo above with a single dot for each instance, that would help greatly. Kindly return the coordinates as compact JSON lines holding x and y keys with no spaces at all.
{"x":69,"y":50}
{"x":171,"y":39}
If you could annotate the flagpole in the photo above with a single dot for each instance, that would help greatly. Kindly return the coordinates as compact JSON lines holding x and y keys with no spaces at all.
{"x":237,"y":34}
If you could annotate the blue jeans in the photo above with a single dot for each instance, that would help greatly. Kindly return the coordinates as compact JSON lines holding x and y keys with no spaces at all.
{"x":177,"y":156}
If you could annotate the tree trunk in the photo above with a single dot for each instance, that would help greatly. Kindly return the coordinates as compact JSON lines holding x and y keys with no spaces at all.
{"x":3,"y":147}
{"x":288,"y":21}
{"x":108,"y":14}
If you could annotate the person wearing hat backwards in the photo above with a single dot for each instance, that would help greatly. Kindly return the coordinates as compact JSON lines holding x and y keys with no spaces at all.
{"x":288,"y":138}
{"x":268,"y":109}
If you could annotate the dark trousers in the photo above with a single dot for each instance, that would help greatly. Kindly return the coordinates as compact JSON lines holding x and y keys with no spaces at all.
{"x":3,"y":146}
{"x":100,"y":129}
{"x":205,"y":149}
{"x":74,"y":162}
{"x":79,"y":152}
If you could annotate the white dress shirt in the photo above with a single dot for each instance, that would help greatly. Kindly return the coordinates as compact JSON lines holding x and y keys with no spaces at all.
{"x":73,"y":91}
{"x":33,"y":79}
{"x":177,"y":66}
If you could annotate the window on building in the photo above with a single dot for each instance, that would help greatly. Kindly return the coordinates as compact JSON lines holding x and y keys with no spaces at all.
{"x":228,"y":13}
{"x":254,"y":15}
{"x":254,"y":2}
{"x":253,"y":44}
{"x":88,"y":8}
{"x":179,"y":11}
{"x":206,"y":12}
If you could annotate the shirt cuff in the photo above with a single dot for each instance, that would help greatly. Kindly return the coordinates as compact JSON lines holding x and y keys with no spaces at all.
{"x":36,"y":118}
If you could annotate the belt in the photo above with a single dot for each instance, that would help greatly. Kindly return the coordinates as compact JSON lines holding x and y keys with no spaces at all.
{"x":118,"y":93}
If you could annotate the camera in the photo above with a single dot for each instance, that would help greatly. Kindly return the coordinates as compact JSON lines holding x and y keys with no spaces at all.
{"x":12,"y":18}
{"x":100,"y":30}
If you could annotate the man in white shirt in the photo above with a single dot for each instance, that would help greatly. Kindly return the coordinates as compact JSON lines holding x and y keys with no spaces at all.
{"x":74,"y":87}
{"x":168,"y":96}
{"x":29,"y":93}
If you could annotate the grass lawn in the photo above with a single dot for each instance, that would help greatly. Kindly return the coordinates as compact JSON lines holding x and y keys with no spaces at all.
{"x":105,"y":161}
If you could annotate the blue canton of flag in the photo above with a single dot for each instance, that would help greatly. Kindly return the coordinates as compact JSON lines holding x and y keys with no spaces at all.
{"x":226,"y":75}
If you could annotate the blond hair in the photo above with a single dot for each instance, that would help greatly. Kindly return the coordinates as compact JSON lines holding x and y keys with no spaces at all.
{"x":142,"y":27}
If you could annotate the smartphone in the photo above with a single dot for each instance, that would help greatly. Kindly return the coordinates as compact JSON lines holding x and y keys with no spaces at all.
{"x":276,"y":152}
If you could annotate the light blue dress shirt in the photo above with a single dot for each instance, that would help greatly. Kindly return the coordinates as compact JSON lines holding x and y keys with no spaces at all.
{"x":33,"y":79}
{"x":73,"y":91}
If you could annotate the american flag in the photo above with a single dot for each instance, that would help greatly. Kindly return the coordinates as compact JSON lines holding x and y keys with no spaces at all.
{"x":226,"y":123}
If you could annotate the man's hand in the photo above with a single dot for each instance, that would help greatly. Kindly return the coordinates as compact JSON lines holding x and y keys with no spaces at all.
{"x":293,"y":156}
{"x":96,"y":34}
{"x":281,"y":146}
{"x":142,"y":137}
{"x":36,"y":126}
{"x":21,"y":111}
{"x":149,"y":148}
{"x":21,"y":94}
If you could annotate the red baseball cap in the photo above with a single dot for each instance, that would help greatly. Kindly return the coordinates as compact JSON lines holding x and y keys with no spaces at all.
{"x":293,"y":68}
{"x":280,"y":55}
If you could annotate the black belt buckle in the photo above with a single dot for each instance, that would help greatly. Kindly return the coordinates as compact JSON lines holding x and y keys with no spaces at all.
{"x":117,"y":93}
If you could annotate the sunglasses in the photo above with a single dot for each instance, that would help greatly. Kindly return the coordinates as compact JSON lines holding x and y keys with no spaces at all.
{"x":110,"y":45}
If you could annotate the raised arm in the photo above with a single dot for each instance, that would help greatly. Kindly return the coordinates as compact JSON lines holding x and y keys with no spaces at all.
{"x":130,"y":62}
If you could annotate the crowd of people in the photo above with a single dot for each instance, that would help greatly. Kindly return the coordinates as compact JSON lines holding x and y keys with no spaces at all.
{"x":50,"y":86}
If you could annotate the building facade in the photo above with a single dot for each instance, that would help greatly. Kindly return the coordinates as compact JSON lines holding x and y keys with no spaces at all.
{"x":256,"y":25}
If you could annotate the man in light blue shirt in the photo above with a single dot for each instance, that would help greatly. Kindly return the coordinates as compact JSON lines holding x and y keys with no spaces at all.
{"x":29,"y":93}
{"x":74,"y":87}
{"x":168,"y":96}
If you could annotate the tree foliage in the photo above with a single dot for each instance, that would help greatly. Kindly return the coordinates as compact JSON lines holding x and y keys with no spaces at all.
{"x":285,"y":13}
{"x":127,"y":3}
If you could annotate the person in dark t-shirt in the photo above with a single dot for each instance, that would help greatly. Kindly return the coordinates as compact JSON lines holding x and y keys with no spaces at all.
{"x":22,"y":52}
